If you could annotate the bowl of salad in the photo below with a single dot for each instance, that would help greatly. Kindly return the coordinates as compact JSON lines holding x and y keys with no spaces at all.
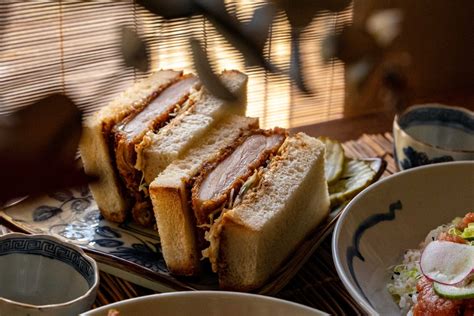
{"x":405,"y":245}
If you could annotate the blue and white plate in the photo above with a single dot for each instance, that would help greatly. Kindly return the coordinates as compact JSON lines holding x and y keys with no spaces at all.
{"x":131,"y":251}
{"x":126,"y":250}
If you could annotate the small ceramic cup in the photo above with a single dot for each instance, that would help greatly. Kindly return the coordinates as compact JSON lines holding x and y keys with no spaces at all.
{"x":431,"y":133}
{"x":43,"y":275}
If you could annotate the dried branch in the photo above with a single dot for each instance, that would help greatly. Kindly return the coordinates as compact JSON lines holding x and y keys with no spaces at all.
{"x":207,"y":76}
{"x":170,"y":9}
{"x":233,"y":32}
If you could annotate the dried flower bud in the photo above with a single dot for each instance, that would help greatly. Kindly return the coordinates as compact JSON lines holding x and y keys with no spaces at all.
{"x":385,"y":25}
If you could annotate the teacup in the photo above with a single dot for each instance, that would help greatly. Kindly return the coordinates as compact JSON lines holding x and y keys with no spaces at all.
{"x":43,"y":275}
{"x":432,"y":133}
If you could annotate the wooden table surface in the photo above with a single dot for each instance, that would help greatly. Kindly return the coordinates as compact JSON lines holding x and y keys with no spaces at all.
{"x":317,"y":284}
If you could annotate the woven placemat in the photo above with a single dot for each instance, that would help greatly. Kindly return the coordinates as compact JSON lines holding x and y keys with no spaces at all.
{"x":317,"y":284}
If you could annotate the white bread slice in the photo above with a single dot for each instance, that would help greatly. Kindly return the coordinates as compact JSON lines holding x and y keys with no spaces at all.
{"x":170,"y":195}
{"x":252,"y":240}
{"x":94,"y":145}
{"x":157,"y":151}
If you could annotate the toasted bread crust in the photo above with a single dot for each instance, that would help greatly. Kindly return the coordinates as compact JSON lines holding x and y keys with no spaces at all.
{"x":107,"y":191}
{"x":171,"y":211}
{"x":229,"y":227}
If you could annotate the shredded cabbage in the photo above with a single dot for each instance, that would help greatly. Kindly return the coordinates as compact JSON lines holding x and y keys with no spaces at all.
{"x":143,"y":185}
{"x":404,"y":279}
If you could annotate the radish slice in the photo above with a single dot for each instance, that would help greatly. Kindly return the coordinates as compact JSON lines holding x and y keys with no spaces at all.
{"x":447,"y":262}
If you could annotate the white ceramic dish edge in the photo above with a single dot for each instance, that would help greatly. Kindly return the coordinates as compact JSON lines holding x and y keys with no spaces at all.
{"x":202,"y":295}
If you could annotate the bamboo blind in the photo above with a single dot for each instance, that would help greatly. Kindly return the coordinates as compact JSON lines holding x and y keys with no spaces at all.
{"x":74,"y":47}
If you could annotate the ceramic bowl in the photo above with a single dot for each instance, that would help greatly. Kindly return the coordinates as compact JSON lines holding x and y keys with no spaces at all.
{"x":43,"y":275}
{"x":432,"y":133}
{"x":393,"y":215}
{"x":206,"y":303}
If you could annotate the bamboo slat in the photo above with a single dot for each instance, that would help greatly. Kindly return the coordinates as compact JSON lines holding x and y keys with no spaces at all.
{"x":74,"y":47}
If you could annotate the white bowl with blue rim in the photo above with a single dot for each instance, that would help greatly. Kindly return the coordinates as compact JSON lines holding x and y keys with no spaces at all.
{"x":391,"y":216}
{"x":206,"y":303}
{"x":43,"y":275}
{"x":432,"y":133}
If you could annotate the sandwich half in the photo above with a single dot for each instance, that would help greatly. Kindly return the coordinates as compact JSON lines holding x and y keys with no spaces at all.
{"x":97,"y":150}
{"x":246,"y":208}
{"x":138,"y":121}
{"x":285,"y":203}
{"x":170,"y":194}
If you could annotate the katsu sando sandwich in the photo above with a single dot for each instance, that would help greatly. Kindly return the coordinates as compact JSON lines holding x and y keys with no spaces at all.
{"x":246,"y":206}
{"x":117,"y":140}
{"x":172,"y":192}
{"x":278,"y":207}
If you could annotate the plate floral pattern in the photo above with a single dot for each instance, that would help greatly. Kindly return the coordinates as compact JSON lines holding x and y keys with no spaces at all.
{"x":73,"y":215}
